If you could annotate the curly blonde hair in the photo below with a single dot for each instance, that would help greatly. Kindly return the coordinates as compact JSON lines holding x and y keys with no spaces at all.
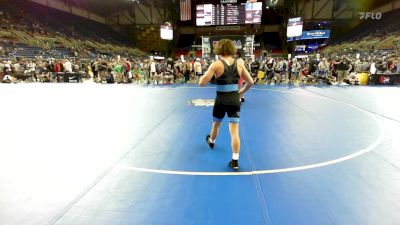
{"x":225,"y":47}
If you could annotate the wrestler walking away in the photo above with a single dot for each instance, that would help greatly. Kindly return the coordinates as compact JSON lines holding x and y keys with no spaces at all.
{"x":227,"y":72}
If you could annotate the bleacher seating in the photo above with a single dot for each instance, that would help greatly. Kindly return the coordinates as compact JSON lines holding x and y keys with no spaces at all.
{"x":389,"y":23}
{"x":372,"y":35}
{"x":31,"y":30}
{"x":72,"y":25}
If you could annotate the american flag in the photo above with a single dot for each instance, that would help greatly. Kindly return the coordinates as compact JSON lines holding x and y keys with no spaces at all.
{"x":186,"y":10}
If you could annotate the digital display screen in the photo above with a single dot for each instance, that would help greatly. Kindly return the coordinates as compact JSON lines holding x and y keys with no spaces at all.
{"x":166,"y":33}
{"x":228,"y":14}
{"x":294,"y":29}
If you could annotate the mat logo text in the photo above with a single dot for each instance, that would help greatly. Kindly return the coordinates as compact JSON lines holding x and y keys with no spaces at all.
{"x":202,"y":102}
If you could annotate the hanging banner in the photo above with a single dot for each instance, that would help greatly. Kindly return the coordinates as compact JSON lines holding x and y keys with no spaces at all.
{"x":312,"y":47}
{"x":243,"y":43}
{"x":300,"y":48}
{"x":316,"y":34}
{"x":312,"y":34}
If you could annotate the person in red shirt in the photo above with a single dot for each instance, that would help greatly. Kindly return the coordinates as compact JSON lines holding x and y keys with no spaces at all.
{"x":58,"y":67}
{"x":127,"y":66}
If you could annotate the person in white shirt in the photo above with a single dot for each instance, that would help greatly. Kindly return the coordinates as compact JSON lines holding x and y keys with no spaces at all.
{"x":152,"y":67}
{"x":198,"y":68}
{"x":30,"y":67}
{"x":7,"y":66}
{"x":67,"y":66}
{"x":358,"y":66}
{"x":323,"y":68}
{"x":7,"y":72}
{"x":296,"y":67}
{"x":153,"y":71}
{"x":279,"y":69}
{"x":16,"y":66}
{"x":373,"y":69}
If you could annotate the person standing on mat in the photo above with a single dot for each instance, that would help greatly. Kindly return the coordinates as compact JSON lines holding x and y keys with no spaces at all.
{"x":227,"y":72}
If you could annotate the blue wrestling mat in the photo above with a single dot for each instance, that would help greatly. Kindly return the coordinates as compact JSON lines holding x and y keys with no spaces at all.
{"x":123,"y":154}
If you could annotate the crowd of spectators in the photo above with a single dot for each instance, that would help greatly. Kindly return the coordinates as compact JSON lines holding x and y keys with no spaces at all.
{"x":339,"y":69}
{"x":343,"y":69}
{"x":104,"y":70}
{"x":22,"y":33}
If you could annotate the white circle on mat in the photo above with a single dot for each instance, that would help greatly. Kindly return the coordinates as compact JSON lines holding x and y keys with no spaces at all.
{"x":282,"y":170}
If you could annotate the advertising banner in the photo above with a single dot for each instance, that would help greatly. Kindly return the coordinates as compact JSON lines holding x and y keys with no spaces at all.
{"x":243,"y":43}
{"x":312,"y":47}
{"x":316,"y":34}
{"x":312,"y":34}
{"x":300,"y":48}
{"x":384,"y":79}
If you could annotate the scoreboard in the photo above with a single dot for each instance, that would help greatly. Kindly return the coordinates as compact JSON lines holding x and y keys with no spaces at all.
{"x":228,"y":14}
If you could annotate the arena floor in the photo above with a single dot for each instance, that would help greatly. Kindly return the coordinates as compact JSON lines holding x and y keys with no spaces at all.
{"x":90,"y":154}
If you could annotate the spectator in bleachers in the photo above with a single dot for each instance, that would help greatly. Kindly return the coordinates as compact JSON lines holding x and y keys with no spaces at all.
{"x":43,"y":74}
{"x":118,"y":71}
{"x":168,"y":75}
{"x":103,"y":68}
{"x":162,"y":68}
{"x":157,"y":77}
{"x":398,"y":65}
{"x":373,"y":69}
{"x":179,"y":69}
{"x":365,"y":65}
{"x":188,"y":68}
{"x":279,"y":70}
{"x":7,"y":72}
{"x":127,"y":70}
{"x":153,"y":70}
{"x":145,"y":65}
{"x":16,"y":67}
{"x":95,"y":68}
{"x":137,"y":74}
{"x":343,"y":69}
{"x":67,"y":66}
{"x":1,"y":70}
{"x":323,"y":67}
{"x":30,"y":67}
{"x":58,"y":67}
{"x":295,"y":70}
{"x":198,"y":68}
{"x":358,"y":66}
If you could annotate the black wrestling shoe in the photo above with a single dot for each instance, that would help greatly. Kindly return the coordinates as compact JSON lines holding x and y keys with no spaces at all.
{"x":234,"y":164}
{"x":209,"y":142}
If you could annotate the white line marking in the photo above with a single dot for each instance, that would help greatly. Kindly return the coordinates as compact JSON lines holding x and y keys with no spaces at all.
{"x":175,"y":172}
{"x":283,"y":170}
